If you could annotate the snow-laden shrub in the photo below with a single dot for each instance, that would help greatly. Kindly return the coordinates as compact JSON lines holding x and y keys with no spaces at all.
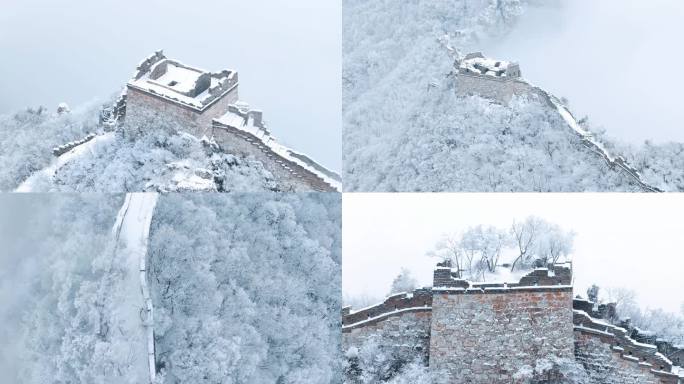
{"x":377,"y":361}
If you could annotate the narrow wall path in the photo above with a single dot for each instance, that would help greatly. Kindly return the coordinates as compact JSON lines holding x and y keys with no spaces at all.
{"x":131,"y":233}
{"x":133,"y":239}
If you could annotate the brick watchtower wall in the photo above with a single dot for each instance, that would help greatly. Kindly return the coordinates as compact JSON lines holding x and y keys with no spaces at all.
{"x":144,"y":107}
{"x":484,"y":333}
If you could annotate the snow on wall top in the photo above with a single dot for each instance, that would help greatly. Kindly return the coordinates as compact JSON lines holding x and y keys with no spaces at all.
{"x":241,"y":117}
{"x":420,"y":300}
{"x":554,"y":276}
{"x":476,"y":63}
{"x":181,"y":83}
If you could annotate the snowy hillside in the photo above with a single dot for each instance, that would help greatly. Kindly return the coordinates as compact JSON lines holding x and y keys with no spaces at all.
{"x":227,"y":288}
{"x":162,"y":159}
{"x":406,"y":130}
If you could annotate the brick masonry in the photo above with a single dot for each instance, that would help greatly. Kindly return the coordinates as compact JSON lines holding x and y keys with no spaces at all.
{"x":486,"y":338}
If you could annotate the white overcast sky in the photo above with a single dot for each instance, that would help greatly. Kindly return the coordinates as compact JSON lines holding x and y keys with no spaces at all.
{"x":287,"y":53}
{"x":617,"y":61}
{"x":623,"y":240}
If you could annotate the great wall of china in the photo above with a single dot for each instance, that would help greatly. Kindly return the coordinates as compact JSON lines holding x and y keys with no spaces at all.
{"x":207,"y":105}
{"x":484,"y":332}
{"x":501,"y":81}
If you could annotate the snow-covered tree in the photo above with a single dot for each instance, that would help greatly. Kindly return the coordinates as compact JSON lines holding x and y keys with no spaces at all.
{"x":540,"y":241}
{"x":593,"y":293}
{"x":404,"y":282}
{"x":483,"y":245}
{"x":480,"y":250}
{"x":624,"y":299}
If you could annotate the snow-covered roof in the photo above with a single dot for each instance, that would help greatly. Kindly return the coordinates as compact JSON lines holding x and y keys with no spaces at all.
{"x":478,"y":64}
{"x":181,"y":83}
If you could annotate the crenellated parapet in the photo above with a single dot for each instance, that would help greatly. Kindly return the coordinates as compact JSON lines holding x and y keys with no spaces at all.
{"x":553,"y":277}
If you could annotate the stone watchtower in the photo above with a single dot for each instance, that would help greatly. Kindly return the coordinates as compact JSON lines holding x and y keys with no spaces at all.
{"x":489,"y":78}
{"x":484,"y":332}
{"x":184,"y":95}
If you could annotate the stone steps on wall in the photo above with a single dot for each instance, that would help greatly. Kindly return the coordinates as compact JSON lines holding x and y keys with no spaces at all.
{"x":645,"y":355}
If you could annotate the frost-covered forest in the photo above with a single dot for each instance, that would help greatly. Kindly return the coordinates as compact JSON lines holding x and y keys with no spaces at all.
{"x":58,"y":285}
{"x":162,"y":159}
{"x":406,"y":130}
{"x":246,"y":289}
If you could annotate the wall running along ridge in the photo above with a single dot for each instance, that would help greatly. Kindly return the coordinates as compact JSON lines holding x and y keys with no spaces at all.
{"x":502,"y":90}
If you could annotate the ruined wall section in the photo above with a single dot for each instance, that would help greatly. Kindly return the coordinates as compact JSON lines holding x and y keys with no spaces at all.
{"x":610,"y":356}
{"x":401,"y":324}
{"x":484,"y":333}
